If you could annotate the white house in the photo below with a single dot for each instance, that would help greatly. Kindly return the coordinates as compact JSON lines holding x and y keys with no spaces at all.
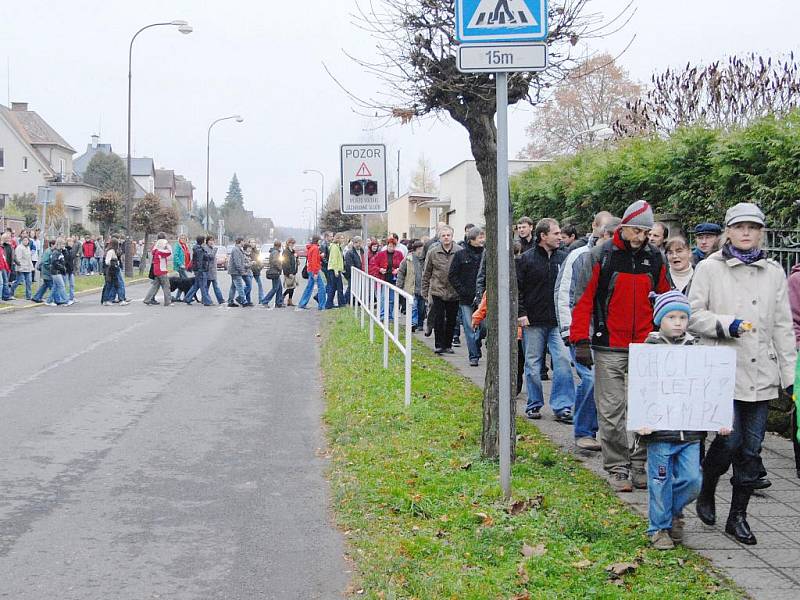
{"x":33,"y":154}
{"x":461,"y":194}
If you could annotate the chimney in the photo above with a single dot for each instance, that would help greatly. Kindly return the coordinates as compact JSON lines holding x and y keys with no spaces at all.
{"x":20,"y":106}
{"x":95,"y":140}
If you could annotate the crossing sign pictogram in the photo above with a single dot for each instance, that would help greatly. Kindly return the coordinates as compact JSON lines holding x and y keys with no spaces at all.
{"x":501,"y":20}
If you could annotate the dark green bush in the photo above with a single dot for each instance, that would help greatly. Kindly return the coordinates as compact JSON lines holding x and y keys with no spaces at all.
{"x":697,"y":173}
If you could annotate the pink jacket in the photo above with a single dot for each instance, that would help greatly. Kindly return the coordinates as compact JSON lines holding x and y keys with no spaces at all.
{"x":794,"y":301}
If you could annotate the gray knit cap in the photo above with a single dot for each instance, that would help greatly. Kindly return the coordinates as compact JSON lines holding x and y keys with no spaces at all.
{"x":639,"y":214}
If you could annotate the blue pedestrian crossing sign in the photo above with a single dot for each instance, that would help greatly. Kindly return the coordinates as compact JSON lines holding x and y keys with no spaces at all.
{"x":501,"y":20}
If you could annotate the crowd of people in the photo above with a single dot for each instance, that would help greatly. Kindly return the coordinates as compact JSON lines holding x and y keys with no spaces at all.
{"x":582,"y":299}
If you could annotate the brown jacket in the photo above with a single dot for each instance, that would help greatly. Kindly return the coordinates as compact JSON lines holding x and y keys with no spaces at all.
{"x":435,"y":280}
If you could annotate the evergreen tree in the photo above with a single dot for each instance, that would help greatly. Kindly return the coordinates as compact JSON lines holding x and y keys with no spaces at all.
{"x":234,"y":200}
{"x":107,"y":172}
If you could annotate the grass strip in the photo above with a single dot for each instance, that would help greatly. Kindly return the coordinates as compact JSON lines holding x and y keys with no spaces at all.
{"x":423,"y":513}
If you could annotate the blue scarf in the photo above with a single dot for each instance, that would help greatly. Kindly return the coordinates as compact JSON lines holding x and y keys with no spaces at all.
{"x":748,"y":257}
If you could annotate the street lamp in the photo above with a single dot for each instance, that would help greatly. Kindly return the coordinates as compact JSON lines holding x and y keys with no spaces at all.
{"x":184,"y":28}
{"x":316,"y":206}
{"x":322,"y":189}
{"x":239,"y":119}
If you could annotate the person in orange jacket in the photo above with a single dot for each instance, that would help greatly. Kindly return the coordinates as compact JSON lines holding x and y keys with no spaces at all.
{"x":314,"y":268}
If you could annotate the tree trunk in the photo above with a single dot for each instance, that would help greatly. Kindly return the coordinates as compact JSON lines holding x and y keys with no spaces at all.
{"x":483,"y":138}
{"x":143,"y":260}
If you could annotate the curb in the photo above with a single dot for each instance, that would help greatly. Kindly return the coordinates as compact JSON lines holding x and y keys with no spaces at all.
{"x":11,"y":309}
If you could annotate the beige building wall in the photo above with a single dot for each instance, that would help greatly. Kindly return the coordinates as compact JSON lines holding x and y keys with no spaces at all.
{"x":14,"y":179}
{"x":406,"y":218}
{"x":461,"y":186}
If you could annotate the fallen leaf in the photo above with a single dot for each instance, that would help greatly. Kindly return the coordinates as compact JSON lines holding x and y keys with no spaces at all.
{"x":537,"y":550}
{"x":486,"y":520}
{"x":522,"y":596}
{"x":520,"y":506}
{"x":522,"y":572}
{"x":582,"y":564}
{"x":619,"y":569}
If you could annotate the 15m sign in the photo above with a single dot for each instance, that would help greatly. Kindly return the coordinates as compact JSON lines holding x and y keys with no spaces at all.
{"x":363,"y":176}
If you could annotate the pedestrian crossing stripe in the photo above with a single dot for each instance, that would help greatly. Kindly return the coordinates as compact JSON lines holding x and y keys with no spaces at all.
{"x":502,"y":14}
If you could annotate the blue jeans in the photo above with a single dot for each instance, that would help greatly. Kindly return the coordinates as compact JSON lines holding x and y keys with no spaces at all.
{"x":312,"y":281}
{"x":59,"y":292}
{"x":742,"y":448}
{"x":22,"y":278}
{"x":276,"y":292}
{"x":248,"y":286}
{"x":120,"y":285}
{"x":84,"y":265}
{"x":201,"y":286}
{"x":6,"y":291}
{"x":562,"y":395}
{"x":44,"y":286}
{"x":673,"y":480}
{"x":335,"y":290}
{"x":94,"y":265}
{"x":585,"y":413}
{"x":385,"y":290}
{"x":69,"y":283}
{"x":257,"y":279}
{"x":109,"y":292}
{"x":212,"y":284}
{"x":473,"y":336}
{"x":236,"y":292}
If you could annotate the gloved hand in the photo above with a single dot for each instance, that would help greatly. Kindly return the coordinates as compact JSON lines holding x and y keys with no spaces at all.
{"x":583,"y":353}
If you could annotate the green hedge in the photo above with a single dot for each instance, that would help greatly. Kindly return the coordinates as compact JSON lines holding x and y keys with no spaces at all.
{"x":697,"y":173}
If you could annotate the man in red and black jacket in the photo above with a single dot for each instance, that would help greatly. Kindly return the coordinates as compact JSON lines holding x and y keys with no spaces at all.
{"x":613,"y":312}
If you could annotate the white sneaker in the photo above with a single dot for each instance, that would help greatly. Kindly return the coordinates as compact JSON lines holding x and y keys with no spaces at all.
{"x":108,"y":303}
{"x":70,"y":302}
{"x":124,"y":302}
{"x":48,"y":303}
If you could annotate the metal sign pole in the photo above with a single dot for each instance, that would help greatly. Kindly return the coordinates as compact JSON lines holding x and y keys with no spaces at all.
{"x":503,"y":284}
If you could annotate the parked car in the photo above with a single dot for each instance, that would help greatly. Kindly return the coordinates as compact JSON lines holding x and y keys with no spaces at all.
{"x":301,"y":250}
{"x":222,"y":257}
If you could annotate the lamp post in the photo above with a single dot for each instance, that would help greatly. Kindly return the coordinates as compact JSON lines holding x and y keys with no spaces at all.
{"x":322,"y":190}
{"x":185,"y":29}
{"x":239,"y":119}
{"x":316,"y":207}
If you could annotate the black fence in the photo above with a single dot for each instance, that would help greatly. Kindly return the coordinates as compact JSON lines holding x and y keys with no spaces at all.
{"x":783,"y":246}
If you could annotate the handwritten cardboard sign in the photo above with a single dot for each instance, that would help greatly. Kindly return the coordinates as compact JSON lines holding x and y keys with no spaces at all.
{"x":680,"y":387}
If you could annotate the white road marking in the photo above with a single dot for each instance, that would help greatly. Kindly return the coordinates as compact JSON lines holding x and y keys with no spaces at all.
{"x":65,"y":361}
{"x":102,"y":314}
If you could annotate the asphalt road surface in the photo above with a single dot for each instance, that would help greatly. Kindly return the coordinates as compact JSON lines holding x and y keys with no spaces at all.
{"x":151,"y":452}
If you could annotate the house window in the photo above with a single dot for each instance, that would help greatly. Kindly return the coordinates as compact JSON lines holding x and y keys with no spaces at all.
{"x":24,"y":163}
{"x":2,"y":159}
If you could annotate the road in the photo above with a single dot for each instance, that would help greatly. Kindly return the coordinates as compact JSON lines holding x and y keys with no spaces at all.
{"x":151,"y":452}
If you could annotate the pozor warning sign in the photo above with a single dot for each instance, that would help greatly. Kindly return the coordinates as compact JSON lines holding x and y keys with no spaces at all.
{"x":363,"y":171}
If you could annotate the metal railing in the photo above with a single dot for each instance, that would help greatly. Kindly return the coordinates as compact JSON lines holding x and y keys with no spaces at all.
{"x":367,"y":293}
{"x":783,"y":246}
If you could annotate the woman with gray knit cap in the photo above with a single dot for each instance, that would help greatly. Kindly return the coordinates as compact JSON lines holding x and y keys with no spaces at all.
{"x":739,"y":298}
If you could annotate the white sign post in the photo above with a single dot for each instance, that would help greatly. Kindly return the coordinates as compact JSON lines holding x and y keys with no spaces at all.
{"x":494,"y":37}
{"x":363,"y":176}
{"x":674,"y":388}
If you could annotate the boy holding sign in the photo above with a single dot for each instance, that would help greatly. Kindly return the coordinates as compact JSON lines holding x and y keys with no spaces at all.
{"x":673,"y":457}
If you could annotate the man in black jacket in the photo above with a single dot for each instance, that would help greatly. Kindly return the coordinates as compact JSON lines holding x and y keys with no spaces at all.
{"x":200,"y":265}
{"x":70,"y":257}
{"x":353,"y":259}
{"x":537,"y":271}
{"x":463,"y":275}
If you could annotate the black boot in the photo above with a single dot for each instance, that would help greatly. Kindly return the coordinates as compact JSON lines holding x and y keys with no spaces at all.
{"x":706,"y":507}
{"x":737,"y":525}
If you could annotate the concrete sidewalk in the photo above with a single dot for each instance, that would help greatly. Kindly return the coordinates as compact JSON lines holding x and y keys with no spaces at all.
{"x":771,"y":569}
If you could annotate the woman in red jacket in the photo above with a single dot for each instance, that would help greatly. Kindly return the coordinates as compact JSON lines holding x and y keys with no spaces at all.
{"x":387,"y":264}
{"x":314,"y":268}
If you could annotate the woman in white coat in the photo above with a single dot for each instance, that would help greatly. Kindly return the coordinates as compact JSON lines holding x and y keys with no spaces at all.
{"x":739,"y":298}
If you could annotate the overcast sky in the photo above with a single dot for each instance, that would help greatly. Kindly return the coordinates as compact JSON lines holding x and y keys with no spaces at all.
{"x":254,"y":57}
